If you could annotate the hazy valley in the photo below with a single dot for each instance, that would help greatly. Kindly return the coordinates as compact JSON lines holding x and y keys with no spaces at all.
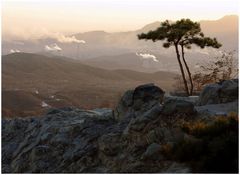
{"x":93,"y":69}
{"x":31,"y":80}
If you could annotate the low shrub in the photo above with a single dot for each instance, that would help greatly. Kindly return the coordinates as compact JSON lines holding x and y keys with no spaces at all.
{"x":214,"y":149}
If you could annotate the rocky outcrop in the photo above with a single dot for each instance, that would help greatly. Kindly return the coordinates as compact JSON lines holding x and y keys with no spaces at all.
{"x":222,"y":92}
{"x":222,"y":109}
{"x":141,"y":99}
{"x":72,"y":140}
{"x":130,"y":139}
{"x":192,"y":99}
{"x":65,"y":141}
{"x":178,"y":106}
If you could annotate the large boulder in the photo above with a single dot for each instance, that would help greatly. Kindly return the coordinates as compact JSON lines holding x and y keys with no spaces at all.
{"x":229,"y":91}
{"x":146,"y":95}
{"x":124,"y":105}
{"x":223,"y":92}
{"x":143,"y":98}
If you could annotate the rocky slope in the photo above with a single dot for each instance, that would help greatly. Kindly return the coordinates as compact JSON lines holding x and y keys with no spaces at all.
{"x":130,"y":139}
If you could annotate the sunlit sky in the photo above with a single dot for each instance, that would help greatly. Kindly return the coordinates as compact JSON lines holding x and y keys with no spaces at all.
{"x":37,"y":17}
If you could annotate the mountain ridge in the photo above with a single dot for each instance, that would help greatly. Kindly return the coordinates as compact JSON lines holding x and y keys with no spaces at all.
{"x":60,"y":82}
{"x":101,"y":43}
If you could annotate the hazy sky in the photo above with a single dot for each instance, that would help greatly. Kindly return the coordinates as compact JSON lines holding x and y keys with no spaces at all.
{"x":33,"y":18}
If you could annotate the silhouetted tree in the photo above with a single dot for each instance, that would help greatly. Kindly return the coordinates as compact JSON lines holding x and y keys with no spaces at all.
{"x":182,"y":33}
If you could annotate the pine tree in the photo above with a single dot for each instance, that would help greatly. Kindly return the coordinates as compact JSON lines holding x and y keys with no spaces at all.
{"x":182,"y":33}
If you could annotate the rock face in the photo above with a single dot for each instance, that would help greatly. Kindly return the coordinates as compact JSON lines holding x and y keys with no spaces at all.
{"x":192,"y":99}
{"x":222,"y":109}
{"x":72,"y":140}
{"x":151,"y":152}
{"x":177,"y":106}
{"x":127,"y":140}
{"x":223,"y":92}
{"x":141,"y":99}
{"x":52,"y":143}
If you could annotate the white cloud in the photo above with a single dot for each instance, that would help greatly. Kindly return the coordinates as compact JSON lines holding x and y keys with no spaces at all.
{"x":52,"y":47}
{"x":38,"y":33}
{"x":147,"y":56}
{"x":14,"y":51}
{"x":67,"y":39}
{"x":61,"y":37}
{"x":44,"y":104}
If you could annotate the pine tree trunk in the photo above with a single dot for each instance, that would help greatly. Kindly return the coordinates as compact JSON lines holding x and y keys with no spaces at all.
{"x":181,"y":68}
{"x":188,"y":70}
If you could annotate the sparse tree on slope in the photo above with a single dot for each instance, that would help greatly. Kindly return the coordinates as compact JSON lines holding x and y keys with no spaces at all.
{"x":182,"y":33}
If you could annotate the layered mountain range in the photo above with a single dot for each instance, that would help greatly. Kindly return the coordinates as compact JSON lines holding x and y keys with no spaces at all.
{"x":124,"y":47}
{"x":94,"y":68}
{"x":33,"y":83}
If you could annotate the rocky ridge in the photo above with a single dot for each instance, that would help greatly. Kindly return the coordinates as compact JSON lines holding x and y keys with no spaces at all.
{"x":128,"y":139}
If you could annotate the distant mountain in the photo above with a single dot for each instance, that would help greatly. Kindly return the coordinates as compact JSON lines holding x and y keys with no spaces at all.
{"x":133,"y":61}
{"x":101,"y":43}
{"x":224,"y":29}
{"x":33,"y":82}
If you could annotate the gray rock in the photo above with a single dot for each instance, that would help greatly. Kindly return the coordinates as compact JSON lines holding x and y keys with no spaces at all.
{"x":175,"y":167}
{"x":146,"y":93}
{"x":72,"y":140}
{"x":109,"y":144}
{"x":229,"y":91}
{"x":217,"y":109}
{"x":142,"y":99}
{"x":105,"y":113}
{"x":53,"y":145}
{"x":192,"y":99}
{"x":173,"y":106}
{"x":210,"y":95}
{"x":124,"y":105}
{"x":141,"y":121}
{"x":152,"y":152}
{"x":59,"y":110}
{"x":223,"y":92}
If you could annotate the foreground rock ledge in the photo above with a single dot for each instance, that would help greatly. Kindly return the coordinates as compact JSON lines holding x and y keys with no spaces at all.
{"x":71,"y":140}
